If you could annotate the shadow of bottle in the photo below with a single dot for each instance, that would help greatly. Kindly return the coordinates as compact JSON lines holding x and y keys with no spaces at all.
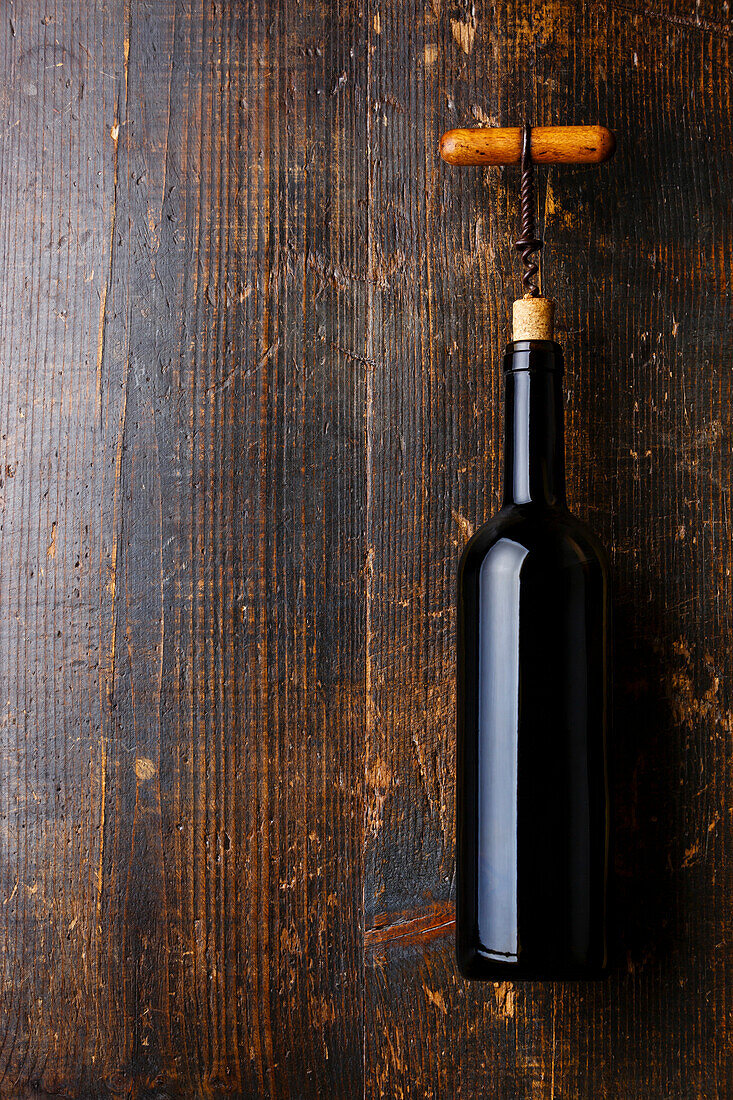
{"x":643,"y":751}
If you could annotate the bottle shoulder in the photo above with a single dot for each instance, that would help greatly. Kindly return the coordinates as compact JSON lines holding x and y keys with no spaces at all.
{"x":550,"y":533}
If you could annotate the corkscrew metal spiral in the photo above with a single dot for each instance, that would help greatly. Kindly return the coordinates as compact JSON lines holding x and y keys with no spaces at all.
{"x":528,"y":243}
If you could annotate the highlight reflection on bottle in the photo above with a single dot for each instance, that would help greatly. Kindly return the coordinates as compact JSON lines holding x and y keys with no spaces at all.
{"x":533,"y":695}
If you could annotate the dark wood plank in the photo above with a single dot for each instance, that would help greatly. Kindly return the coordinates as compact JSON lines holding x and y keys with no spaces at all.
{"x":637,"y":258}
{"x":182,"y":550}
{"x":60,"y":88}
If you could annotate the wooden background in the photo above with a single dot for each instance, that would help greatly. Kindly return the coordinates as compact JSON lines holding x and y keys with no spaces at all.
{"x":250,"y":410}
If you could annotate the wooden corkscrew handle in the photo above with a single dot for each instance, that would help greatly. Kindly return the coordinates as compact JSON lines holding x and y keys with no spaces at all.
{"x":550,"y":145}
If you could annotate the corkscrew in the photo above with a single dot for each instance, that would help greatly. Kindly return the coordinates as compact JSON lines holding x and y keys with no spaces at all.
{"x":533,"y":315}
{"x":528,"y":243}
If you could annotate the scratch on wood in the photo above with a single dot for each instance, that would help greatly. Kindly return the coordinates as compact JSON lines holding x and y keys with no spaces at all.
{"x":378,"y":781}
{"x":435,"y":997}
{"x":410,"y":927}
{"x":505,"y":995}
{"x":115,"y":133}
{"x":352,"y":355}
{"x":145,"y":768}
{"x":688,"y":704}
{"x":102,"y":811}
{"x":464,"y":32}
{"x":465,"y":525}
{"x":697,"y":23}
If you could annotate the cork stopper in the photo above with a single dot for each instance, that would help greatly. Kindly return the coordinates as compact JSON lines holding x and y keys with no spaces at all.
{"x":533,"y":319}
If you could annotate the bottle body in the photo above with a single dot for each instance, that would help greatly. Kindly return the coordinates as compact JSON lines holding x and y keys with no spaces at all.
{"x":533,"y":700}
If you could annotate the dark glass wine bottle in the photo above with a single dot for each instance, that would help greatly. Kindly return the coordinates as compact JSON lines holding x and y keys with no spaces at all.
{"x":533,"y":700}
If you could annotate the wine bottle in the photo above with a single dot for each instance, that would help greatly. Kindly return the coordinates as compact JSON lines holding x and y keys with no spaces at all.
{"x":533,"y":702}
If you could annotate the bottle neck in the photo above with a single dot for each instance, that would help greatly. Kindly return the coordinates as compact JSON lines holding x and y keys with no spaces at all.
{"x":534,"y":438}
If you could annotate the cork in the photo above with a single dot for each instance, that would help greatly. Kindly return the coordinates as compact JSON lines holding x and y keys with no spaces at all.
{"x":533,"y":319}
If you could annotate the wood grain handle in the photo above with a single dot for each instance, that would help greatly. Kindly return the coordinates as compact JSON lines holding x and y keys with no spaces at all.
{"x":550,"y":145}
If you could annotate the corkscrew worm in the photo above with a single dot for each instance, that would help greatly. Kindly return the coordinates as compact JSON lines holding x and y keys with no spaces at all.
{"x":528,"y":243}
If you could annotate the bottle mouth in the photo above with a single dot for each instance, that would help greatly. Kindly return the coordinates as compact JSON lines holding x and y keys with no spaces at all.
{"x":533,"y":355}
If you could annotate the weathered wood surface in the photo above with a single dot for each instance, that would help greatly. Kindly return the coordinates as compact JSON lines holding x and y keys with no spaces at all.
{"x":250,"y":333}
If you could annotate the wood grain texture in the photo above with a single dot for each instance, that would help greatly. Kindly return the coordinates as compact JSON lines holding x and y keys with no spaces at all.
{"x":182,"y":584}
{"x":250,"y":411}
{"x":638,"y":258}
